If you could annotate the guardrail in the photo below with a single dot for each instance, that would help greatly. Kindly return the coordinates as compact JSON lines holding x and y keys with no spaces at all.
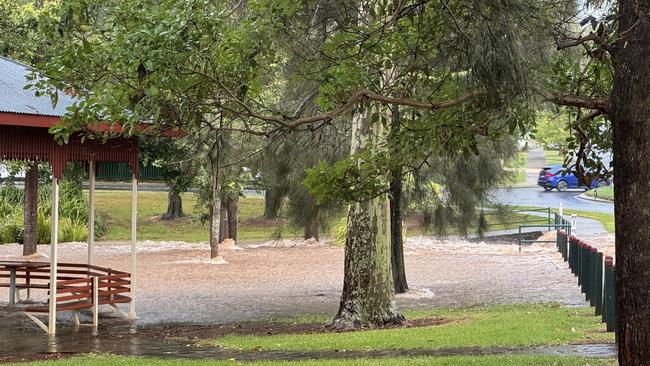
{"x":596,"y":275}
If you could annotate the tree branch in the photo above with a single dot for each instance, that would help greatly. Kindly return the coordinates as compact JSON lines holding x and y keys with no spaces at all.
{"x":599,"y":103}
{"x":592,"y":37}
{"x":349,"y":104}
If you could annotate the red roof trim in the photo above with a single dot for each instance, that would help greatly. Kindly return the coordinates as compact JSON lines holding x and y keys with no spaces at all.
{"x":34,"y":120}
{"x":27,"y":120}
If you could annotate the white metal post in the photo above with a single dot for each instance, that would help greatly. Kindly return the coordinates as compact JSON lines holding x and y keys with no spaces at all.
{"x":91,"y":212}
{"x":95,"y":301}
{"x":134,"y":228}
{"x":574,"y":225}
{"x":53,"y":256}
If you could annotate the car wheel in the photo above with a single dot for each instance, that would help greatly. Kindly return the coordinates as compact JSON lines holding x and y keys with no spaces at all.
{"x":562,"y":186}
{"x":548,"y":189}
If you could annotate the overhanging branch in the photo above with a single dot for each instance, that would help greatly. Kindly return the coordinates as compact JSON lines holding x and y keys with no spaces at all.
{"x":288,"y":124}
{"x":598,"y":103}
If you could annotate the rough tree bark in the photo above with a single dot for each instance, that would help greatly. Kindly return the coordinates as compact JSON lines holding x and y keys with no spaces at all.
{"x":30,"y":236}
{"x":312,"y":227}
{"x":396,"y":239}
{"x":224,"y":226}
{"x":630,"y":115}
{"x":174,"y":207}
{"x":215,"y":217}
{"x":272,"y":204}
{"x":233,"y":216}
{"x":368,"y":297}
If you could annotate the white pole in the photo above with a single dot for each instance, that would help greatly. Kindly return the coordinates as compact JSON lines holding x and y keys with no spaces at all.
{"x":574,"y":225}
{"x":134,"y":227}
{"x":91,"y":212}
{"x":561,"y":209}
{"x":51,"y":330}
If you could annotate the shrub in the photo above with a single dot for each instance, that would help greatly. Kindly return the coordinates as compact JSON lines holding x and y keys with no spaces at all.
{"x":70,"y":230}
{"x":11,"y":227}
{"x":43,"y":228}
{"x":340,"y":232}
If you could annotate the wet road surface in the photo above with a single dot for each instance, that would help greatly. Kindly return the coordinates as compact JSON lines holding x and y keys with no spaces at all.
{"x":539,"y":197}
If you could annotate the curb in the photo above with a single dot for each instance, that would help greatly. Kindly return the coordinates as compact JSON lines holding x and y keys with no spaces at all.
{"x":589,"y":198}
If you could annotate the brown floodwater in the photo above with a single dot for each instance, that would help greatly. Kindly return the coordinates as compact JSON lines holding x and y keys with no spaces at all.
{"x":178,"y":284}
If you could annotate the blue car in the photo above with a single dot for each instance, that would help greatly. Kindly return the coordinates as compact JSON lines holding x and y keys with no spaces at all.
{"x":554,"y":176}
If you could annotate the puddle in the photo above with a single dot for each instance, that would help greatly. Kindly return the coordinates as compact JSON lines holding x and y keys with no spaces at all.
{"x":19,"y":337}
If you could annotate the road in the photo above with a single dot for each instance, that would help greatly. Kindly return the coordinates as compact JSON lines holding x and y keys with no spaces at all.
{"x":538,"y":197}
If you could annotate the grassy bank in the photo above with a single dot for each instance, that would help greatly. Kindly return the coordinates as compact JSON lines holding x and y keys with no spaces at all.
{"x":493,"y":360}
{"x":115,"y":208}
{"x":606,"y":219}
{"x":497,"y":326}
{"x":516,"y":169}
{"x":606,"y":193}
{"x":553,"y":157}
{"x":480,"y":328}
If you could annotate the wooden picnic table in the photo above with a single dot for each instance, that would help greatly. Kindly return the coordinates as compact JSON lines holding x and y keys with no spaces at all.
{"x":14,"y":266}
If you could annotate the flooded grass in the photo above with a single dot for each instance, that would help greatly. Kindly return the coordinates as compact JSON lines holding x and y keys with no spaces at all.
{"x":497,"y":326}
{"x":115,"y":208}
{"x":490,"y":360}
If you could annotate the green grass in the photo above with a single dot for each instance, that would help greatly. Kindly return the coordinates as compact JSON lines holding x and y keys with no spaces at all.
{"x":606,"y":193}
{"x":115,"y":208}
{"x":492,"y":360}
{"x":606,"y":219}
{"x":553,"y":157}
{"x":519,"y":325}
{"x":516,"y":168}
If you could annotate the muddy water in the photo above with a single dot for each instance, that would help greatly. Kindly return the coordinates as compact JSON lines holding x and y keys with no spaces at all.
{"x":124,"y":338}
{"x":178,"y":284}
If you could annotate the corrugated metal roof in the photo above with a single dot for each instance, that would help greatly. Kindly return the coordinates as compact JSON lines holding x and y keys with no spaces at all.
{"x":15,"y":99}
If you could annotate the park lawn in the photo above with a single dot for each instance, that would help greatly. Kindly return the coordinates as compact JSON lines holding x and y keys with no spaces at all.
{"x":606,"y":193}
{"x":115,"y":208}
{"x":516,"y":169}
{"x":553,"y":157}
{"x":495,"y":326}
{"x":491,"y":360}
{"x":606,"y":219}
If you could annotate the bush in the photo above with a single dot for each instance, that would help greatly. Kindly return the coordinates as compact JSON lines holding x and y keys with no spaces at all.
{"x":341,"y":232}
{"x":73,"y":213}
{"x":70,"y":230}
{"x":11,"y":227}
{"x":43,"y":228}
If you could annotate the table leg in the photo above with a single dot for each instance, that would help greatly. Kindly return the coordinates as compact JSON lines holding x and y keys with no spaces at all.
{"x":12,"y":288}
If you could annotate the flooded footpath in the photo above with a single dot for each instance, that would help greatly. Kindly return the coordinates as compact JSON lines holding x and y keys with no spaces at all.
{"x":179,"y":285}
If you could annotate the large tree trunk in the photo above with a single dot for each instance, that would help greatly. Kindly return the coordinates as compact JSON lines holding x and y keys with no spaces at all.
{"x":368,"y":297}
{"x":174,"y":207}
{"x":224,"y":226}
{"x":396,"y":239}
{"x":30,"y":237}
{"x":233,"y":216}
{"x":272,"y":204}
{"x":215,"y":217}
{"x":630,"y":115}
{"x":312,"y":227}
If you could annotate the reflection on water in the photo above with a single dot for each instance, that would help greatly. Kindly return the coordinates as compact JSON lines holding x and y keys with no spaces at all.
{"x":124,"y":338}
{"x":177,"y":284}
